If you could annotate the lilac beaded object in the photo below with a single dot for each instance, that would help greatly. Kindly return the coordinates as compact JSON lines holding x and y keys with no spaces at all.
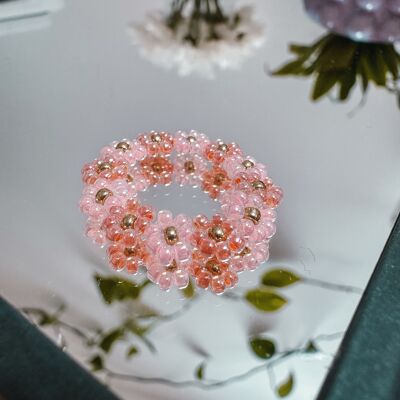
{"x":360,"y":20}
{"x":171,"y":249}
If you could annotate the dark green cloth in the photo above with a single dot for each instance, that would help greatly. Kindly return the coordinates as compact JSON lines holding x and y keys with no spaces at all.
{"x":367,"y":366}
{"x":34,"y":368}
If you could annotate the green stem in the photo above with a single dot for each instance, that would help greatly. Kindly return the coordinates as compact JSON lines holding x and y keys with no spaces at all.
{"x":331,"y":286}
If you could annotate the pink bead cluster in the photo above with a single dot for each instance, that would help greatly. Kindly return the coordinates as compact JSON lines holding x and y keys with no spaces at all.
{"x":172,"y":249}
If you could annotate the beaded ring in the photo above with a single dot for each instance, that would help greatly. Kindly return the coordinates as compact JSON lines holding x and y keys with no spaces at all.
{"x":172,"y":249}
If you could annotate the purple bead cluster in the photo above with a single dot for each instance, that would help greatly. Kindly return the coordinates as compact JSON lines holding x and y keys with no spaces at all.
{"x":360,"y":20}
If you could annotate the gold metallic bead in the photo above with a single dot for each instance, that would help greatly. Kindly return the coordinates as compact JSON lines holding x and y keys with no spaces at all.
{"x":172,"y":267}
{"x":217,"y":233}
{"x":258,"y":185}
{"x":155,"y":137}
{"x":128,"y":221}
{"x":130,"y":251}
{"x":129,"y":178}
{"x":123,"y":146}
{"x":156,"y":167}
{"x":103,"y":165}
{"x":171,"y":235}
{"x":223,"y":147}
{"x":189,"y":167}
{"x":213,"y":267}
{"x":219,"y":179}
{"x":248,"y":164}
{"x":253,"y":214}
{"x":191,"y":139}
{"x":102,"y":195}
{"x":244,"y":252}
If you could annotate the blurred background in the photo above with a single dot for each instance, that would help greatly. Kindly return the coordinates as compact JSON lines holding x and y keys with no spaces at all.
{"x":77,"y":75}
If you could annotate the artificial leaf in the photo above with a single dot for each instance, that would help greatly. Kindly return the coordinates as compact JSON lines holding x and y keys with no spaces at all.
{"x":188,"y":291}
{"x":380,"y":63}
{"x":285,"y":388}
{"x":291,"y":68}
{"x":199,"y":371}
{"x":306,"y":71}
{"x":336,"y":60}
{"x":144,"y":284}
{"x":262,"y":348}
{"x":279,"y":278}
{"x":131,"y":351}
{"x":372,"y":66}
{"x":347,"y":82}
{"x":114,"y":288}
{"x":96,"y":363}
{"x":363,"y":77}
{"x":311,"y":348}
{"x":46,"y":319}
{"x":390,"y":56}
{"x":135,"y":328}
{"x":307,"y":51}
{"x":265,"y":300}
{"x":324,"y":82}
{"x":299,"y":49}
{"x":337,"y":54}
{"x":139,"y":331}
{"x":110,"y":338}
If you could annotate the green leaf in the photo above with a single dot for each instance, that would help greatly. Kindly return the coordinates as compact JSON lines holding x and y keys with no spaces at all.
{"x":114,"y":288}
{"x":279,"y":278}
{"x":380,"y":64}
{"x":199,"y":371}
{"x":307,"y":71}
{"x":311,"y":348}
{"x":324,"y":82}
{"x":46,"y":319}
{"x":96,"y":363}
{"x":389,"y":54}
{"x":262,"y":348}
{"x":285,"y":388}
{"x":265,"y":300}
{"x":144,"y":284}
{"x":131,"y":351}
{"x":300,"y":50}
{"x":363,"y":76}
{"x":337,"y":54}
{"x":110,"y":338}
{"x":291,"y":68}
{"x":135,"y":328}
{"x":347,"y":82}
{"x":188,"y":292}
{"x":307,"y":51}
{"x":373,"y":65}
{"x":140,"y":331}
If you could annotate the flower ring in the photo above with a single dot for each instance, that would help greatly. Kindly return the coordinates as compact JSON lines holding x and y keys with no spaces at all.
{"x":173,"y":249}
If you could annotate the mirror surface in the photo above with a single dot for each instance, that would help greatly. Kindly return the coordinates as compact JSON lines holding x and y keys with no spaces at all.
{"x":73,"y":81}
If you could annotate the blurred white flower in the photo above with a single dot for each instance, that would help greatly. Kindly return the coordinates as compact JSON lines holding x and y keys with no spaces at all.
{"x":198,"y":42}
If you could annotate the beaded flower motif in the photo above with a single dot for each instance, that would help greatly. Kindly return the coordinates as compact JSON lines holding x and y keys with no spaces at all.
{"x":217,"y":152}
{"x":189,"y":169}
{"x":168,"y":240}
{"x":191,"y":143}
{"x":216,"y":181}
{"x":157,"y":170}
{"x":157,"y":143}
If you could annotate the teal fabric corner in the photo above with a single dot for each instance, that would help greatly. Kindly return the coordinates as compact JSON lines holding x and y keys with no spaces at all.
{"x":34,"y":368}
{"x":367,"y":365}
